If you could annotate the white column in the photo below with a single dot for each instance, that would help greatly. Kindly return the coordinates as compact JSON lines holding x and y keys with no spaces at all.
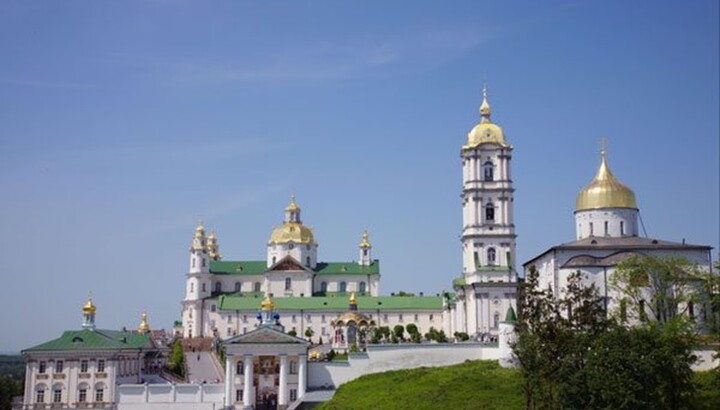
{"x":283,"y":393}
{"x":229,"y":381}
{"x":302,"y":375}
{"x":247,"y":391}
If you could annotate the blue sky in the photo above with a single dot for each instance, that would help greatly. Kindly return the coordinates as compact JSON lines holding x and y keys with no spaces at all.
{"x":122,"y":124}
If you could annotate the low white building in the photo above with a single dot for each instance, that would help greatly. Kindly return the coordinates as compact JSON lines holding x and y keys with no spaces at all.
{"x":82,"y":368}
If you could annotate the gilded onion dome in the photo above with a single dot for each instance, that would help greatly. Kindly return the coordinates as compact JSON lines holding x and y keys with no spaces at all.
{"x":485,"y":131}
{"x":199,"y":238}
{"x":213,"y":247}
{"x":292,"y":230}
{"x":144,"y":327}
{"x":267,"y":304}
{"x":365,"y":242}
{"x":89,"y":307}
{"x":605,"y":191}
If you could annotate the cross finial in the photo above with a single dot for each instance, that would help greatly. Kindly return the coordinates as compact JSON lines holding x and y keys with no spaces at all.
{"x":603,"y":146}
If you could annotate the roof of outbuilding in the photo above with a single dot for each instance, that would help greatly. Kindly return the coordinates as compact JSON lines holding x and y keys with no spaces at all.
{"x":97,"y":339}
{"x":320,"y":303}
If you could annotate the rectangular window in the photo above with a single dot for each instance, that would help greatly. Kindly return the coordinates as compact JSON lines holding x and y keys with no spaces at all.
{"x":622,"y":228}
{"x":606,"y":228}
{"x":57,"y":396}
{"x":322,"y":318}
{"x":431,"y":317}
{"x":309,"y":318}
{"x":83,"y":366}
{"x":101,"y":365}
{"x":213,"y":308}
{"x":99,"y":394}
{"x":238,"y":395}
{"x":385,"y":319}
{"x":244,"y":318}
{"x":229,"y":318}
{"x":240,"y":368}
{"x":323,"y":330}
{"x":82,"y":395}
{"x":400,"y":317}
{"x":229,"y":332}
{"x":59,"y":366}
{"x":203,"y":287}
{"x":41,"y":367}
{"x":293,"y":394}
{"x":40,"y":397}
{"x":416,"y":318}
{"x":294,"y":318}
{"x":293,"y":367}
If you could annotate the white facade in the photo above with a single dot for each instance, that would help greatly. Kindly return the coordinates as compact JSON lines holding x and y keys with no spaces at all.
{"x":488,"y":284}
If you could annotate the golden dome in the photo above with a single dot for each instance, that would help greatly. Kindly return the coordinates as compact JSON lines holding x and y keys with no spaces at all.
{"x":365,"y":243}
{"x":353,"y":316}
{"x":605,"y":191}
{"x":485,"y":131}
{"x":89,"y":307}
{"x":293,"y":206}
{"x":144,"y":327}
{"x":267,"y":304}
{"x":353,"y":300}
{"x":292,"y":232}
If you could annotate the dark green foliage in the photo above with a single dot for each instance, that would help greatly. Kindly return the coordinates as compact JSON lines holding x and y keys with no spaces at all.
{"x":399,"y":332}
{"x":461,"y":336}
{"x":292,"y":332}
{"x":176,"y":363}
{"x":436,"y":335}
{"x":414,"y":333}
{"x":309,"y":334}
{"x":572,"y":356}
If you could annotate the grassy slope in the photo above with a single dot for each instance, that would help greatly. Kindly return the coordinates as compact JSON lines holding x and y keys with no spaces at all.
{"x":470,"y":385}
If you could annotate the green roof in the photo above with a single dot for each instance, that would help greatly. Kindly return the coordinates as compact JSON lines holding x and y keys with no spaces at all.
{"x":238,"y":267}
{"x":323,"y":268}
{"x":365,"y":303}
{"x":96,"y":340}
{"x":347,"y":268}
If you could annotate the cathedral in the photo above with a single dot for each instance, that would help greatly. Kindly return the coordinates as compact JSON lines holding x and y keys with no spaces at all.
{"x":607,"y":233}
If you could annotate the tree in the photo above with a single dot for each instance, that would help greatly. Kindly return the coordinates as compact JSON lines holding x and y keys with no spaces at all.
{"x":309,"y":334}
{"x":412,"y":330}
{"x":573,"y":356}
{"x":293,"y":332}
{"x":399,"y":332}
{"x":461,"y":336}
{"x":663,"y":286}
{"x":176,"y":364}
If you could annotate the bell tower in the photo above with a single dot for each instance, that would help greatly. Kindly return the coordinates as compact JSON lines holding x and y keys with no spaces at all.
{"x":488,"y":231}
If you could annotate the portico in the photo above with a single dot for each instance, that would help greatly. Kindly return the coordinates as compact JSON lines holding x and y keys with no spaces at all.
{"x":265,"y":368}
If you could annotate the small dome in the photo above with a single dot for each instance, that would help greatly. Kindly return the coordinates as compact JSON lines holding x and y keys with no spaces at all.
{"x":292,"y":232}
{"x":267,"y":304}
{"x":293,"y":206}
{"x":89,"y":307}
{"x":144,"y":327}
{"x":605,"y":191}
{"x":485,"y":131}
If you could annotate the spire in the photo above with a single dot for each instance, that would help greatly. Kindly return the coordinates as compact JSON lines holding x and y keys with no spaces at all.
{"x":89,"y":310}
{"x":144,"y":327}
{"x":485,"y":107}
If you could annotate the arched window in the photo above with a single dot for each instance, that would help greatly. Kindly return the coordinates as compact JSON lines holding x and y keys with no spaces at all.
{"x":40,"y":393}
{"x":218,"y":287}
{"x":82,"y":392}
{"x":192,"y":287}
{"x":274,"y":260}
{"x":362,"y":287}
{"x":256,"y":287}
{"x":238,"y":286}
{"x":491,"y":256}
{"x":239,"y":368}
{"x":606,"y":228}
{"x":323,"y":287}
{"x":193,"y":262}
{"x":343,"y":287}
{"x":622,"y":228}
{"x":100,"y":392}
{"x":488,"y":171}
{"x":489,"y":212}
{"x":288,"y":284}
{"x":496,"y":320}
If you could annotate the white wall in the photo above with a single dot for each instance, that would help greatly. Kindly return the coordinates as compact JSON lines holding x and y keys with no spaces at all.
{"x":170,"y":396}
{"x":382,"y":358}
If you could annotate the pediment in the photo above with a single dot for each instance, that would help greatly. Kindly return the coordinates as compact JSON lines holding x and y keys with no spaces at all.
{"x":265,"y":335}
{"x":288,"y":263}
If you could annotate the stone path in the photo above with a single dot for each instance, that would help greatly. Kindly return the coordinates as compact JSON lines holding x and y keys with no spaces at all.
{"x":201,"y":368}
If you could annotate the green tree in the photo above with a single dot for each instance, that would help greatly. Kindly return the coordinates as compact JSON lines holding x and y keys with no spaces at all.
{"x":292,"y":332}
{"x":399,"y":332}
{"x":412,"y":330}
{"x":309,"y":334}
{"x":461,"y":336}
{"x":176,"y":363}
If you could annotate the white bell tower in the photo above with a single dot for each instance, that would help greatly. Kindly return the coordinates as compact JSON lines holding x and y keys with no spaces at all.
{"x":365,"y":258}
{"x":488,"y":231}
{"x":197,"y":286}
